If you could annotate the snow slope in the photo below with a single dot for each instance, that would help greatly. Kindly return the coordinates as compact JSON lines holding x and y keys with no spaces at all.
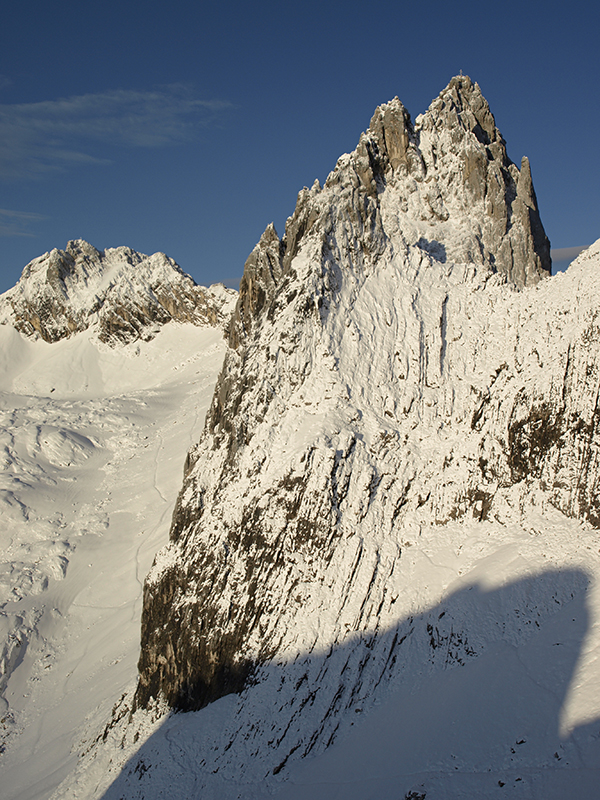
{"x":93,"y":445}
{"x":515,"y":705}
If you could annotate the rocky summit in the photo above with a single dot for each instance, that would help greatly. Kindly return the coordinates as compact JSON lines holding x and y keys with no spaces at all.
{"x":350,"y":356}
{"x":120,"y":294}
{"x":396,"y":361}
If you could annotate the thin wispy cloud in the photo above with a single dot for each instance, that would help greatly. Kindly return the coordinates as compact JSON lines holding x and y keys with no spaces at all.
{"x":18,"y":223}
{"x":37,"y":138}
{"x":566,"y":253}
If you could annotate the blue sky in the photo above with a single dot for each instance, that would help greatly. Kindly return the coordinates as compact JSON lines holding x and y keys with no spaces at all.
{"x":188,"y":127}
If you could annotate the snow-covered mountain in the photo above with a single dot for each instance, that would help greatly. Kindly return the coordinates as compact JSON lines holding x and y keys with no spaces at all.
{"x":93,"y":438}
{"x":356,"y":399}
{"x":383,"y":573}
{"x":119,"y":293}
{"x":386,"y":385}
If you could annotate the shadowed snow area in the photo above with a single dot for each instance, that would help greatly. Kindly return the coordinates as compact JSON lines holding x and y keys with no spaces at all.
{"x":93,"y":441}
{"x":491,"y":687}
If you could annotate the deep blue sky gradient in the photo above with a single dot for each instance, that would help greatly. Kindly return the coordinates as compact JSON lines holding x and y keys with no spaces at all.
{"x":187,"y":127}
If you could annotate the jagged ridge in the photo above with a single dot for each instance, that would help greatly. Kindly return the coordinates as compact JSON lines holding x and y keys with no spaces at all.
{"x":122,"y":294}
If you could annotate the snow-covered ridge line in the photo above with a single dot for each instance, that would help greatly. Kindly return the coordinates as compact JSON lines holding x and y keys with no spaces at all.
{"x":123,"y":295}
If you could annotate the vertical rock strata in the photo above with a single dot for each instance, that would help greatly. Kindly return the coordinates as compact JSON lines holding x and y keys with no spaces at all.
{"x":383,"y":373}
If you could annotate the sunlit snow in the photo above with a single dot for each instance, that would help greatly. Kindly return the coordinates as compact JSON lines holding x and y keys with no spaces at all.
{"x":93,"y":445}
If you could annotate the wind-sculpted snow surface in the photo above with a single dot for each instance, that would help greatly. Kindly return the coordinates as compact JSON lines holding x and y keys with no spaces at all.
{"x":395,"y":363}
{"x":120,"y":294}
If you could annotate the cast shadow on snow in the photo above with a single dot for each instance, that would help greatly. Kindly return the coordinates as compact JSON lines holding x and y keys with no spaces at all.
{"x":471,"y":694}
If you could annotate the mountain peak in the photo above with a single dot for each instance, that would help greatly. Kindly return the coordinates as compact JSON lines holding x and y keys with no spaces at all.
{"x":348,"y":336}
{"x":444,"y":184}
{"x":392,"y":127}
{"x":76,"y":247}
{"x":452,"y":172}
{"x":121,"y":294}
{"x":464,"y":105}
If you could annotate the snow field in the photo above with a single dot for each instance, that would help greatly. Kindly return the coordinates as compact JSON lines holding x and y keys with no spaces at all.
{"x":93,"y":444}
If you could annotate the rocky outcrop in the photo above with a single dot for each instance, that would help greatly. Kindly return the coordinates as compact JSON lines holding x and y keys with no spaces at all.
{"x":384,"y":373}
{"x":123,"y":295}
{"x":456,"y":194}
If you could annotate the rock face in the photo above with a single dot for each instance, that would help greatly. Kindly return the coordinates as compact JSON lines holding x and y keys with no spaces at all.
{"x":122,"y":294}
{"x":384,"y":373}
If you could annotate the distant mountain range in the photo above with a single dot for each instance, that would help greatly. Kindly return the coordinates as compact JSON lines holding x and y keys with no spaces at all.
{"x":121,"y":294}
